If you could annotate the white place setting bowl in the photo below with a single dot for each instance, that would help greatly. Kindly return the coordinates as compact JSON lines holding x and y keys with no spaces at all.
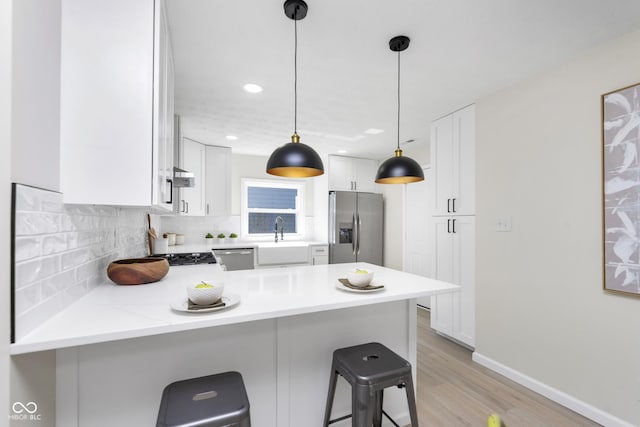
{"x":359,"y":277}
{"x":205,"y":295}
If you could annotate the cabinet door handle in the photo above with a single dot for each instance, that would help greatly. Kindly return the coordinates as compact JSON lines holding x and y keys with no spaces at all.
{"x":170,"y":181}
{"x":355,"y":185}
{"x":207,"y":208}
{"x":449,"y":225}
{"x":453,"y":226}
{"x":182,"y":209}
{"x":453,"y":205}
{"x":187,"y":203}
{"x":448,"y":205}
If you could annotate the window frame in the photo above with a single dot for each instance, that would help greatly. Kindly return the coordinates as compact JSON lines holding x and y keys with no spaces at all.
{"x":299,"y":211}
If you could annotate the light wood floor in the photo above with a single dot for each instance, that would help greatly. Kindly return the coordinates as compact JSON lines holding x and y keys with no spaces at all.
{"x":455,"y":391}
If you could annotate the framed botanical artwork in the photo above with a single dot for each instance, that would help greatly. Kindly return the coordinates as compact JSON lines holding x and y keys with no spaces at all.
{"x":621,"y":189}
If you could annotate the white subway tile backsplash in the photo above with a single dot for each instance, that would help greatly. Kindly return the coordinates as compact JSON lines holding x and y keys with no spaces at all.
{"x":58,"y":283}
{"x":28,"y":199}
{"x":28,"y":297}
{"x":51,"y":202}
{"x":54,"y":244}
{"x":75,"y":258}
{"x":29,"y":223}
{"x":87,"y":270}
{"x":62,"y":251}
{"x":37,"y":269}
{"x":27,"y":248}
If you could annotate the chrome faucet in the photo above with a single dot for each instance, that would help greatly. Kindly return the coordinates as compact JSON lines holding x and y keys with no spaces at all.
{"x":280,"y":223}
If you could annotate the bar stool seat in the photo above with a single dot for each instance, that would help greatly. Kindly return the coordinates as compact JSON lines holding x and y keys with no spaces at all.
{"x":370,"y":368}
{"x":212,"y":401}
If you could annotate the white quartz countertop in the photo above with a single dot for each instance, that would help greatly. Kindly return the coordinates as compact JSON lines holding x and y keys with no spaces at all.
{"x":112,"y":312}
{"x":228,"y":244}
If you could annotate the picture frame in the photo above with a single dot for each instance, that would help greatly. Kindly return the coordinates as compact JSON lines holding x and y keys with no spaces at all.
{"x":621,"y":190}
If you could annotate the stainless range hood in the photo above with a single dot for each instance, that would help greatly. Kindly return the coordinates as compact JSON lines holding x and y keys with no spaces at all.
{"x":183,"y":178}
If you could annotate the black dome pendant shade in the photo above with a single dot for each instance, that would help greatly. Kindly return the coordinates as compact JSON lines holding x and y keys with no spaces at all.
{"x":399,"y":169}
{"x":294,"y":159}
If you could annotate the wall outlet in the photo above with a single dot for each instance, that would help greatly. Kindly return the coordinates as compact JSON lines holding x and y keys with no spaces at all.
{"x":503,"y":223}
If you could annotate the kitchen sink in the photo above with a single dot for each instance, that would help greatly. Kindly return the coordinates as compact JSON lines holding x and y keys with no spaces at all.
{"x":294,"y":252}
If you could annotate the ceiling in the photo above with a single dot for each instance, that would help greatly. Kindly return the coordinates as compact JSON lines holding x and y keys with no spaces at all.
{"x":460,"y":51}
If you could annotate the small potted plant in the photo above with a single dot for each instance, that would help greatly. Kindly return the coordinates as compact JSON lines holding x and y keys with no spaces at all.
{"x":208,"y":239}
{"x":221,"y":237}
{"x":233,"y":237}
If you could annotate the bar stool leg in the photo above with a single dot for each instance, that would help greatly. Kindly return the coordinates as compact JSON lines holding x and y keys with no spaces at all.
{"x":411,"y":400}
{"x":362,"y":399}
{"x":377,"y":414}
{"x":332,"y":390}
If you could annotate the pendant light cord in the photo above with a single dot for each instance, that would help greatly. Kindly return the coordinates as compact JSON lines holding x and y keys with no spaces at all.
{"x":295,"y":74}
{"x":398,"y":100}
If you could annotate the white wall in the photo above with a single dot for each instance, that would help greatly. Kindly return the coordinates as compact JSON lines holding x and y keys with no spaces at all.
{"x":34,"y":155}
{"x":393,"y":225}
{"x":394,"y":205}
{"x":541,"y":309}
{"x":36,"y":94}
{"x":5,"y":208}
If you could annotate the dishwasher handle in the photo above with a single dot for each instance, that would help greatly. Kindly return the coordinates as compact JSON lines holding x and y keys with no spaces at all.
{"x":234,"y":252}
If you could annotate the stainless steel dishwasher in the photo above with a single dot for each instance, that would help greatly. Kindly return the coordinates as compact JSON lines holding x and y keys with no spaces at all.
{"x":235,"y":258}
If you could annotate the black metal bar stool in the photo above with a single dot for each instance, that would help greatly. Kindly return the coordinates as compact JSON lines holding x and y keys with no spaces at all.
{"x":369,"y":368}
{"x":212,"y":401}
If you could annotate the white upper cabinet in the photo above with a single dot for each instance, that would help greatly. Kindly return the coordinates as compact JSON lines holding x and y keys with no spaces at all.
{"x":217,"y":181}
{"x":193,"y":160}
{"x":116,"y":103}
{"x":211,"y":194}
{"x":163,"y":112}
{"x":352,"y":174}
{"x":453,"y":161}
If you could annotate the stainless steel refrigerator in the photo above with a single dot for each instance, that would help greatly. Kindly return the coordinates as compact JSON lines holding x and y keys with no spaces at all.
{"x":355,"y":227}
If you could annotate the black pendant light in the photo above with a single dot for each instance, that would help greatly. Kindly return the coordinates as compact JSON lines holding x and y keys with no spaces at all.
{"x":399,"y":169}
{"x":295,"y":159}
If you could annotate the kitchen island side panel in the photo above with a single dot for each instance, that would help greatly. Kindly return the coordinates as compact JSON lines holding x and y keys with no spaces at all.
{"x":285,"y":364}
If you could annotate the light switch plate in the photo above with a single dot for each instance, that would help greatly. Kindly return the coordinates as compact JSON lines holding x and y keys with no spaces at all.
{"x":503,"y":223}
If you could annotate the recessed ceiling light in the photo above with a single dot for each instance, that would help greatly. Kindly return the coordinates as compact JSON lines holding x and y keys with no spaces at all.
{"x":373,"y":131}
{"x":252,"y":88}
{"x":231,"y":137}
{"x":342,"y":151}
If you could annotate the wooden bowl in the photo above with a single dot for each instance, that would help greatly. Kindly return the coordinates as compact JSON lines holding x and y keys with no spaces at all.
{"x":136,"y":271}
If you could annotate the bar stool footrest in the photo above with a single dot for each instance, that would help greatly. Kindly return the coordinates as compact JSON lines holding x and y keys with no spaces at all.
{"x":350,"y":415}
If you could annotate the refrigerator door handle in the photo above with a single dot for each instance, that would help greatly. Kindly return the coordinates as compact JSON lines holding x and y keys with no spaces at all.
{"x":332,"y":218}
{"x":359,"y":226}
{"x":354,"y":239}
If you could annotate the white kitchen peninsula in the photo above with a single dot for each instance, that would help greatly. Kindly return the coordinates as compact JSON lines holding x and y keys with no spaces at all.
{"x":118,"y":346}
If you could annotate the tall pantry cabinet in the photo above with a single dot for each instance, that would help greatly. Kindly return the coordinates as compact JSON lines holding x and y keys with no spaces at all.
{"x":453,"y":223}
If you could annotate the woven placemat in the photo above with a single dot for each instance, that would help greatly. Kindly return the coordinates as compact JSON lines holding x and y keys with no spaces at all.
{"x":359,"y":288}
{"x":192,"y":306}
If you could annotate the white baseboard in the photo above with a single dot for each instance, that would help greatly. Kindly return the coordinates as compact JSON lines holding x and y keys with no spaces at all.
{"x":562,"y":398}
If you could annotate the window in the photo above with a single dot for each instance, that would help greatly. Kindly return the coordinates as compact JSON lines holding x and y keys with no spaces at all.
{"x":263,"y":201}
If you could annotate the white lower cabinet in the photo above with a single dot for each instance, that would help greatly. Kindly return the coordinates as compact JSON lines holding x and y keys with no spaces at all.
{"x":318,"y":254}
{"x":454,"y":261}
